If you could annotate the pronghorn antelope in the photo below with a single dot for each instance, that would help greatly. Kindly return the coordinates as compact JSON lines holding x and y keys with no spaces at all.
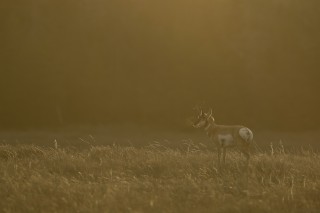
{"x":224,"y":136}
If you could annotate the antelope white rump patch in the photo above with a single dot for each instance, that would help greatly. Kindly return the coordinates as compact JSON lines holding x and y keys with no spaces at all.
{"x":246,"y":134}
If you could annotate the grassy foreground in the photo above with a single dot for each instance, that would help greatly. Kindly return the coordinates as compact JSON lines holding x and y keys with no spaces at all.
{"x":154,"y":179}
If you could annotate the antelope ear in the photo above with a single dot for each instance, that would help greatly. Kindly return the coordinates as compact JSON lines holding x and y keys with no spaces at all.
{"x":201,"y":112}
{"x":209,"y":114}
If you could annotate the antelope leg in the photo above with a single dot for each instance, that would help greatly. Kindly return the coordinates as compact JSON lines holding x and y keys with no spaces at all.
{"x":219,"y":154}
{"x":224,"y":155}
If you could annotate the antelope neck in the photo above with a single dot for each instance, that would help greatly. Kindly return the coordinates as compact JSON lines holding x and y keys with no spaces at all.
{"x":210,"y":123}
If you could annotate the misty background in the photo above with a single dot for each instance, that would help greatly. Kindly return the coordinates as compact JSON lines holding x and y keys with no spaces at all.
{"x":81,"y":62}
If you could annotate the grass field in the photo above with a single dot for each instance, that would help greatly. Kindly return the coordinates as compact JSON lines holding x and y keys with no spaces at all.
{"x":180,"y":176}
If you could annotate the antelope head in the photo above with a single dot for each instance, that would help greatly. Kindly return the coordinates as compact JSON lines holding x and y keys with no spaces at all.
{"x":203,"y":119}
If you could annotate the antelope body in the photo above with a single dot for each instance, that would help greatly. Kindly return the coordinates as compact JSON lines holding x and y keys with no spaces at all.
{"x":224,"y":136}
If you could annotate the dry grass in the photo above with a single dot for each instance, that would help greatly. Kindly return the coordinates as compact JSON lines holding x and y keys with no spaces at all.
{"x":155,"y":178}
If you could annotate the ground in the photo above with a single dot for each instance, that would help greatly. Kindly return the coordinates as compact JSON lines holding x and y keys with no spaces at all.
{"x":159,"y":176}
